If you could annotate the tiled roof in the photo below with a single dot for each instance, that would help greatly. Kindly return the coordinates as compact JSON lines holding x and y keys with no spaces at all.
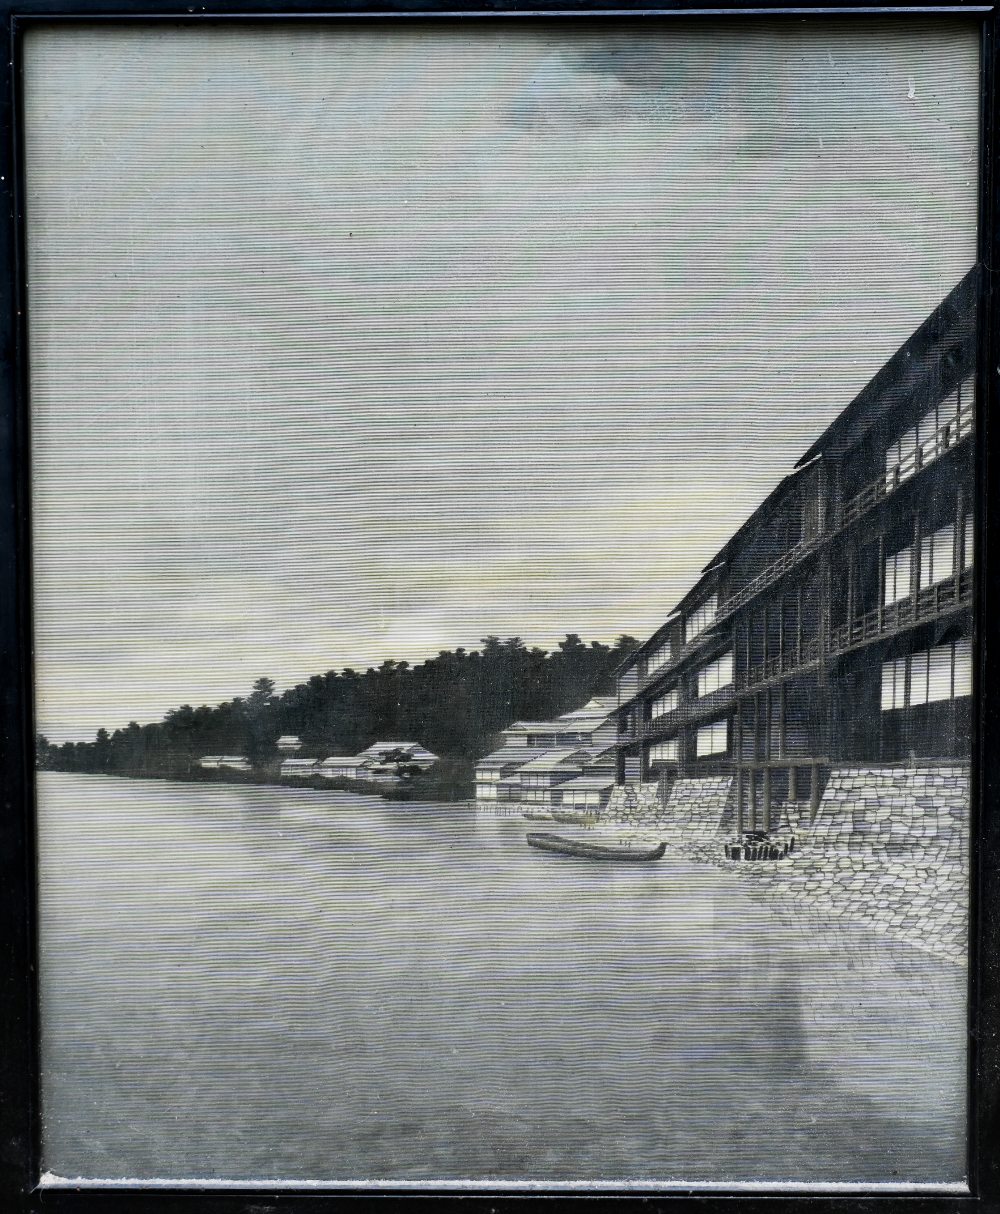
{"x":553,"y":760}
{"x":596,"y":708}
{"x":585,"y":782}
{"x":512,"y":754}
{"x":415,"y":748}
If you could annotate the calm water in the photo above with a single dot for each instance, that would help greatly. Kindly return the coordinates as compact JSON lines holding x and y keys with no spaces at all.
{"x":255,"y":983}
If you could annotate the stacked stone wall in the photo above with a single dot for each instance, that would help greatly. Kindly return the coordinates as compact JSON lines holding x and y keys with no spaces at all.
{"x":690,"y":822}
{"x":634,"y":805}
{"x":889,"y":848}
{"x":697,"y":816}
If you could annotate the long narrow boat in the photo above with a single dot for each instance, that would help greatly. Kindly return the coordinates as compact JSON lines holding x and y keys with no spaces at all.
{"x":593,"y":851}
{"x":569,"y":818}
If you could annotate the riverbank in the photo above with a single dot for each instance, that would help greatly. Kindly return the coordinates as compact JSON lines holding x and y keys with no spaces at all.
{"x":427,"y":786}
{"x":889,"y":849}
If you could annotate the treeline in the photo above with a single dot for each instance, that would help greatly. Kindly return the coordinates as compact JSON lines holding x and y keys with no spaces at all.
{"x":455,"y":704}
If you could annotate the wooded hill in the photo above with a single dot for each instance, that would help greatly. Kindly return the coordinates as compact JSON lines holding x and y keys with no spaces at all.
{"x":455,"y":704}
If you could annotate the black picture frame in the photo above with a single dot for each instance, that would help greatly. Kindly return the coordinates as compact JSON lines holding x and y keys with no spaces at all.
{"x":19,"y":1103}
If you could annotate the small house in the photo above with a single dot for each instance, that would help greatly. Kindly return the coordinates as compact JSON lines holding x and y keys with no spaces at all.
{"x":235,"y":762}
{"x":587,"y":792}
{"x":416,"y":755}
{"x":298,"y":769}
{"x":345,"y":767}
{"x":540,"y":778}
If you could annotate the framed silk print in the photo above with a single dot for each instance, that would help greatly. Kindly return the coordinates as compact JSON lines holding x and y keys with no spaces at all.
{"x":499,"y":577}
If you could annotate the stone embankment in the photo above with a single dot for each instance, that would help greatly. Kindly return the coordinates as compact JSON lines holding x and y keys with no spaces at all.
{"x":889,"y":846}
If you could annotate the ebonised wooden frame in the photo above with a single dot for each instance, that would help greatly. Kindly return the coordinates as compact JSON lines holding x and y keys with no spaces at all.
{"x":19,"y":1128}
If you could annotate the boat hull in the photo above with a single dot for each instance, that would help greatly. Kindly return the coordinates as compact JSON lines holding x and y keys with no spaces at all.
{"x":569,"y":818}
{"x":593,"y":851}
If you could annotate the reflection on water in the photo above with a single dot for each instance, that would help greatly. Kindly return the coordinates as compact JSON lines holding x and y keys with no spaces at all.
{"x":258,"y":983}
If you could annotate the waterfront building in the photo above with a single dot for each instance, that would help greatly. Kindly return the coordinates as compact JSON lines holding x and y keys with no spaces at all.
{"x":834,"y":628}
{"x":347,"y":767}
{"x":299,"y":769}
{"x":587,"y":792}
{"x":230,"y":762}
{"x":539,"y":779}
{"x":589,"y":733}
{"x":415,"y":755}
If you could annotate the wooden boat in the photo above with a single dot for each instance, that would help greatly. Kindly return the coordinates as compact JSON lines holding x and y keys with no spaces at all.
{"x":593,"y":851}
{"x":534,"y":816}
{"x":580,"y":818}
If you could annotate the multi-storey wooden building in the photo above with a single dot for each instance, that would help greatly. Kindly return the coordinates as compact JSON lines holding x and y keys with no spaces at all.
{"x":588,"y":732}
{"x":834,"y":628}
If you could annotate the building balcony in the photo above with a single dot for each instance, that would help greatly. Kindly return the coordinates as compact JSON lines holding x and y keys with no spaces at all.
{"x":706,"y":637}
{"x":693,"y":710}
{"x":948,"y":436}
{"x":780,"y":666}
{"x":926,"y":604}
{"x":954,"y":431}
{"x":770,"y":574}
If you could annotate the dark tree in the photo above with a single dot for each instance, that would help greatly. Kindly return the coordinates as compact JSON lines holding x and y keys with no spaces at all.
{"x":455,"y":704}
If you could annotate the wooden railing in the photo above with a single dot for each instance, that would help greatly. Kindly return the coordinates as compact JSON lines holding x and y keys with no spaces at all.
{"x":770,"y":574}
{"x":951,"y":433}
{"x":947,"y":436}
{"x":685,"y":651}
{"x":781,"y":664}
{"x":716,"y":701}
{"x":928,"y":603}
{"x":924,"y":605}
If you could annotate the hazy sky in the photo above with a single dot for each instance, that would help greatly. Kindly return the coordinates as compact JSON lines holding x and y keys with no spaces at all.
{"x":351,"y":343}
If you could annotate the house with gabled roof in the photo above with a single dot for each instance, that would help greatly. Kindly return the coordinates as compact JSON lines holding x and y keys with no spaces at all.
{"x":346,"y":767}
{"x":588,"y":733}
{"x":298,"y":769}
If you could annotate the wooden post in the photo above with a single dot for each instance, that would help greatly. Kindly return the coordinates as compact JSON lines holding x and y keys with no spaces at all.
{"x":738,"y":749}
{"x":959,"y":541}
{"x":915,"y":563}
{"x":798,"y":638}
{"x":752,"y":806}
{"x":764,"y":613}
{"x":756,"y":727}
{"x":793,"y":791}
{"x":767,"y":798}
{"x":822,"y":582}
{"x":813,"y":792}
{"x":739,"y":800}
{"x":782,"y":718}
{"x":881,"y":580}
{"x":781,"y":634}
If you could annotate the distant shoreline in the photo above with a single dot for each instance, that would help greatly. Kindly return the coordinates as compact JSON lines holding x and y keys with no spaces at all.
{"x":365,"y":788}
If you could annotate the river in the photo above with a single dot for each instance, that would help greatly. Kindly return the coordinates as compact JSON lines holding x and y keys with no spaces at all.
{"x":253,"y":983}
